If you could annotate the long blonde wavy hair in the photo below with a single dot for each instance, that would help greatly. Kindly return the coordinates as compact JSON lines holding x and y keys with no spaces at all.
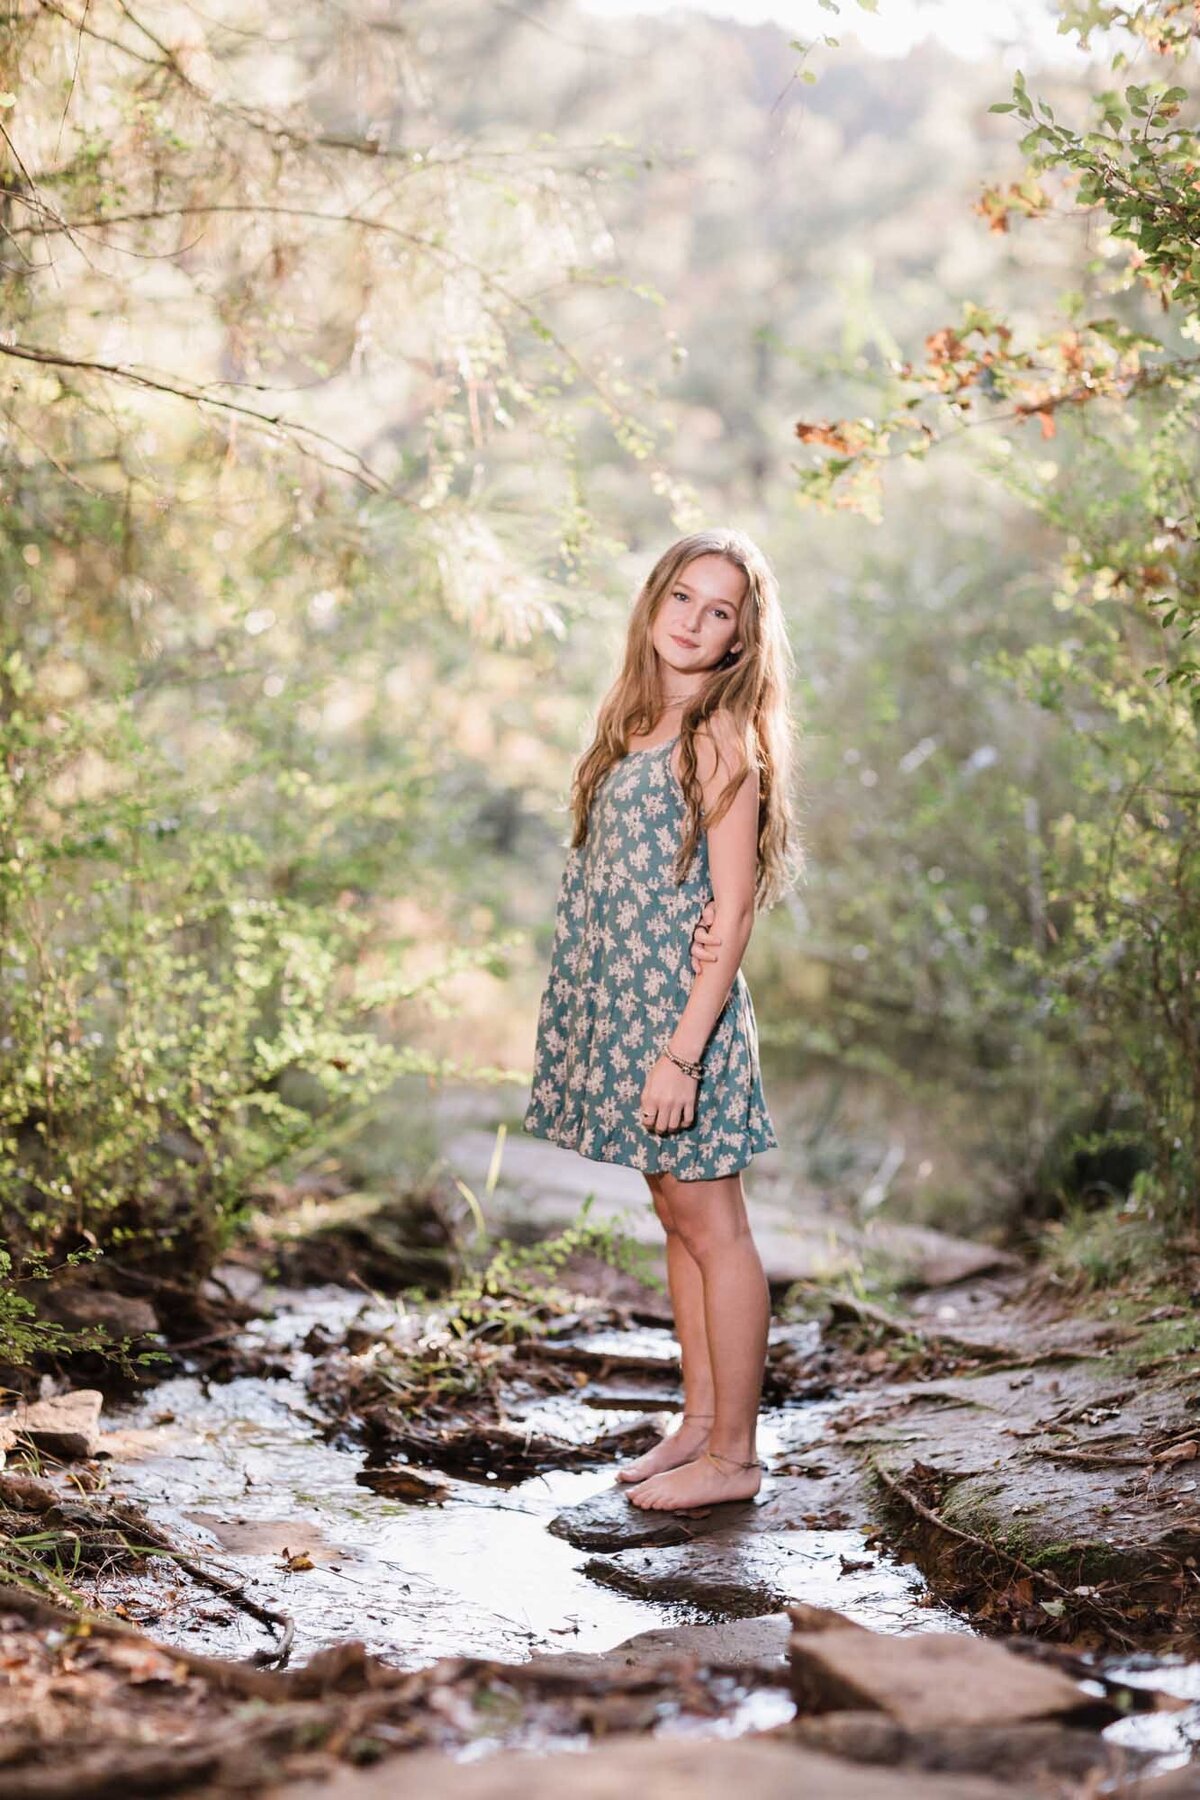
{"x":751,"y":687}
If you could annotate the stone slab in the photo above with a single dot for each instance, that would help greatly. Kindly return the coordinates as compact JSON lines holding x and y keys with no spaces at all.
{"x":66,"y":1425}
{"x":927,"y":1680}
{"x":653,"y":1769}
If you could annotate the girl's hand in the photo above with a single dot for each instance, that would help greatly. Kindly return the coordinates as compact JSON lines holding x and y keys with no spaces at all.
{"x":668,"y":1098}
{"x":704,"y":941}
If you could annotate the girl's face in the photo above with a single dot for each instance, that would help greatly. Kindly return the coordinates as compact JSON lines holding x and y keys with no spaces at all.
{"x":696,"y":624}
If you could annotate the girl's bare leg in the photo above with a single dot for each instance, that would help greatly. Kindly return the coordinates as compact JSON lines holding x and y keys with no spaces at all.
{"x":710,"y":1218}
{"x":687,"y":1302}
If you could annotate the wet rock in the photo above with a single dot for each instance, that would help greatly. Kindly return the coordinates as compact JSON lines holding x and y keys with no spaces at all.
{"x":657,"y":1358}
{"x":66,"y":1426}
{"x":805,"y":1618}
{"x":1048,"y":1468}
{"x":610,"y":1521}
{"x":734,"y":1579}
{"x":909,"y":1679}
{"x":1012,"y":1752}
{"x":653,"y":1769}
{"x":760,"y":1643}
{"x":287,"y":1538}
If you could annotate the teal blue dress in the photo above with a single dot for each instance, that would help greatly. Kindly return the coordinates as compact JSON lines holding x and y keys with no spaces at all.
{"x":620,"y":973}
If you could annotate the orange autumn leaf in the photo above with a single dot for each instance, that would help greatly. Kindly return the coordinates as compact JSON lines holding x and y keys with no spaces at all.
{"x":944,"y":345}
{"x":829,"y":436}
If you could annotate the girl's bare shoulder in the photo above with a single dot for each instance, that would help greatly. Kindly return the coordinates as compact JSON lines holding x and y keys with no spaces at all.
{"x":720,"y":744}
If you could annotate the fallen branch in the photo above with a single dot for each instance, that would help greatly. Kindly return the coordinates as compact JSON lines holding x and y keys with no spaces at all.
{"x":1090,"y":1459}
{"x":230,"y":1591}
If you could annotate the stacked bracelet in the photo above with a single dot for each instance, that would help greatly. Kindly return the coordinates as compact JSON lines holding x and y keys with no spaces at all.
{"x":694,"y":1069}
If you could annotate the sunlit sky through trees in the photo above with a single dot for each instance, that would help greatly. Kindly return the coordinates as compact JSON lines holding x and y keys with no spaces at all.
{"x":1012,"y":29}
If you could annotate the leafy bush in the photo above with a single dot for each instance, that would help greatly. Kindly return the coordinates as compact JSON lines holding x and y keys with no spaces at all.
{"x":169,"y":1028}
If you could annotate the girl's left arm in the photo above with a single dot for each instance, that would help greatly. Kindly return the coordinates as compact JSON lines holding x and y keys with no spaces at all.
{"x":733,"y":864}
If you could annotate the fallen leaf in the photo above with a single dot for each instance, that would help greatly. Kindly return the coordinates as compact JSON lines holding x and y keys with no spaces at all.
{"x":1177,"y":1453}
{"x":402,"y":1484}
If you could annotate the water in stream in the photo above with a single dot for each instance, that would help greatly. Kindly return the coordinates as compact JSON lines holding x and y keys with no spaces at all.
{"x":241,"y":1469}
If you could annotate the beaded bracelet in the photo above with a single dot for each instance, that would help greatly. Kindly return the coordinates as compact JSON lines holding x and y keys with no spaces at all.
{"x":694,"y":1069}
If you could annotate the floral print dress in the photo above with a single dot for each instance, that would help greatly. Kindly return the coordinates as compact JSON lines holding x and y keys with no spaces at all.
{"x":620,"y":973}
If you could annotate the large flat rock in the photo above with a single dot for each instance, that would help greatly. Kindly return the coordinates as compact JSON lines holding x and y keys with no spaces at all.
{"x":919,"y":1681}
{"x":653,"y":1769}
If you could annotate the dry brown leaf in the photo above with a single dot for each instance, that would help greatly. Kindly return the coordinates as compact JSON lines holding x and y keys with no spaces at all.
{"x":1177,"y":1453}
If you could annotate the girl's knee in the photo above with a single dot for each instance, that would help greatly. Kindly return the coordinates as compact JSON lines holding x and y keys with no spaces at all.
{"x":710,"y":1235}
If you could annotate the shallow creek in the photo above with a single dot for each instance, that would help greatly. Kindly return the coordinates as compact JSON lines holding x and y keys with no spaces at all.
{"x":241,"y":1471}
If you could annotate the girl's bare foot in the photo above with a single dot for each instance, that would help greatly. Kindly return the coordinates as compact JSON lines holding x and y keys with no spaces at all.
{"x":679,"y":1446}
{"x":707,"y":1481}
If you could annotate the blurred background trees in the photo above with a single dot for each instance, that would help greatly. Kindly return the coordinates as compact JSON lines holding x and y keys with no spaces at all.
{"x":355,"y":367}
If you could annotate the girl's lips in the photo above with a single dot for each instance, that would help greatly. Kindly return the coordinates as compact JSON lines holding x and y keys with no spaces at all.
{"x":686,"y":642}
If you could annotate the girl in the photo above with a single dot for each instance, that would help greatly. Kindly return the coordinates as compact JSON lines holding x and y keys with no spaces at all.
{"x":645,"y":1057}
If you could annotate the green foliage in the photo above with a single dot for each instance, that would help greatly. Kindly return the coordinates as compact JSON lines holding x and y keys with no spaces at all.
{"x":288,"y":439}
{"x":159,"y":1010}
{"x":1101,"y":1249}
{"x":1105,"y":974}
{"x":516,"y":1293}
{"x":510,"y":1296}
{"x":24,"y":1336}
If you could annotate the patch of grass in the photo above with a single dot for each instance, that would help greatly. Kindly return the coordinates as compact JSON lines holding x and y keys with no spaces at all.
{"x":1093,"y":1250}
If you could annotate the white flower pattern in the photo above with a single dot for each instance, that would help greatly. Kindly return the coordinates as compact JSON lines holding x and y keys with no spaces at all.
{"x":618,"y":979}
